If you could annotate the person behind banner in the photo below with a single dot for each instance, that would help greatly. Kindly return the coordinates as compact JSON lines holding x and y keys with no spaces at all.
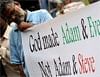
{"x":10,"y":70}
{"x":22,"y":20}
{"x":67,"y":6}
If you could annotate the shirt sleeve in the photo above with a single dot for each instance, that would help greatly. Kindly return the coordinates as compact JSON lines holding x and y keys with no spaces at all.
{"x":14,"y":52}
{"x":45,"y":16}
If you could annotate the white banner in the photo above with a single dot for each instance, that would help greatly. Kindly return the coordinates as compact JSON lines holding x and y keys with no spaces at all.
{"x":67,"y":46}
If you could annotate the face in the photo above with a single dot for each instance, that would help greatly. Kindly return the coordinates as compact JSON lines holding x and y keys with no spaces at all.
{"x":14,"y":12}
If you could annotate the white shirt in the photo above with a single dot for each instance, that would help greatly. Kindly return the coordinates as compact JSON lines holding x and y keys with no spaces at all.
{"x":4,"y":52}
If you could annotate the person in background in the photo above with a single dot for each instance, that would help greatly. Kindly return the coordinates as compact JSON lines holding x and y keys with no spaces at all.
{"x":23,"y":20}
{"x":43,"y":4}
{"x":67,"y":6}
{"x":10,"y":70}
{"x":49,"y":5}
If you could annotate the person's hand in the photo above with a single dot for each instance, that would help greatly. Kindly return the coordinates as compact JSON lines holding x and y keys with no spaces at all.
{"x":24,"y":25}
{"x":3,"y":52}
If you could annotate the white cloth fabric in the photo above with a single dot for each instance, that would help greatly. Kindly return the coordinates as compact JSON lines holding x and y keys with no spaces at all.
{"x":5,"y":53}
{"x":11,"y":70}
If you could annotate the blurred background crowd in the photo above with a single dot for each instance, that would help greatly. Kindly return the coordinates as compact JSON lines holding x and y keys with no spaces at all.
{"x":53,"y":6}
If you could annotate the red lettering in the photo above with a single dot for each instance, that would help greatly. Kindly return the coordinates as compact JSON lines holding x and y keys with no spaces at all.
{"x":87,"y":64}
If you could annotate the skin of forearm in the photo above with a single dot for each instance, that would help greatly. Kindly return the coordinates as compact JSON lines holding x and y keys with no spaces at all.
{"x":24,"y":25}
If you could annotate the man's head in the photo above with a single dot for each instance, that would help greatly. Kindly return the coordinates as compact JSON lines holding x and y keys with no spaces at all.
{"x":12,"y":11}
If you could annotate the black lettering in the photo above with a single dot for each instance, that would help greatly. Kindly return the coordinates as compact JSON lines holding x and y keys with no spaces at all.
{"x":74,"y":65}
{"x":50,"y":40}
{"x":62,"y":68}
{"x":32,"y":46}
{"x":45,"y":69}
{"x":35,"y":44}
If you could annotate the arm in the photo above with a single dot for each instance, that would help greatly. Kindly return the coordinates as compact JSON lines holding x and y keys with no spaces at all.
{"x":21,"y":71}
{"x":15,"y":52}
{"x":24,"y":25}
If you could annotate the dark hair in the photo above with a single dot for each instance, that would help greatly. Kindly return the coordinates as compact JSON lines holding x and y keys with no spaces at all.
{"x":3,"y":26}
{"x":3,"y":7}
